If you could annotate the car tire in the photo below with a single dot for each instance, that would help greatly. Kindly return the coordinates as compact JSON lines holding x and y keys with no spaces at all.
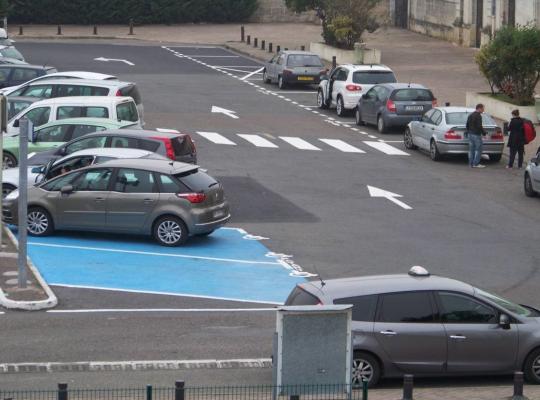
{"x":381,"y":126}
{"x":281,"y":82}
{"x":265,"y":77}
{"x":170,"y":231}
{"x":7,"y":188}
{"x":495,"y":157}
{"x":531,"y":368}
{"x":341,"y":111}
{"x":9,"y":160}
{"x":434,"y":151}
{"x":358,"y":116}
{"x":321,"y":103}
{"x":365,"y":366}
{"x":528,"y":187}
{"x":408,"y":140}
{"x":40,"y":222}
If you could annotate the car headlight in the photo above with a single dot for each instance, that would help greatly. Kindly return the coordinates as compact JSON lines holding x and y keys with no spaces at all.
{"x":13,"y":195}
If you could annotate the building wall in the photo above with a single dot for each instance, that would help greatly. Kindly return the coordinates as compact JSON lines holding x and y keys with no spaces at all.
{"x":276,"y":11}
{"x":435,"y":18}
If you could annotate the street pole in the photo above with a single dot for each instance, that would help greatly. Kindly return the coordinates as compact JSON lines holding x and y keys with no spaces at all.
{"x":25,"y":129}
{"x":3,"y":122}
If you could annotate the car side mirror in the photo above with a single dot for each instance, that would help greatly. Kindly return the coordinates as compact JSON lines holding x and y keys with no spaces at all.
{"x":504,"y":321}
{"x":62,"y":151}
{"x":37,"y":170}
{"x":16,"y":123}
{"x":66,"y":189}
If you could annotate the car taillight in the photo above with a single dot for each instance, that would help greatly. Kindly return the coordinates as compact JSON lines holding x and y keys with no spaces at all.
{"x":391,"y":106}
{"x":434,"y":103}
{"x":353,"y":88}
{"x":498,"y":135}
{"x":452,"y":135}
{"x":287,"y":72}
{"x":169,"y":151}
{"x":118,"y":93}
{"x":323,"y":72}
{"x":192,"y":197}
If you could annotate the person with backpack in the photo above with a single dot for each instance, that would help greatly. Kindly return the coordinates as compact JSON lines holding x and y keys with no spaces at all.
{"x":475,"y":131}
{"x":516,"y":139}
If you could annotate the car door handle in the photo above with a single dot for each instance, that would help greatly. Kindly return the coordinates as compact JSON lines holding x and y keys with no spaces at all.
{"x":388,"y":333}
{"x":99,"y":199}
{"x":148,"y":201}
{"x":458,"y":337}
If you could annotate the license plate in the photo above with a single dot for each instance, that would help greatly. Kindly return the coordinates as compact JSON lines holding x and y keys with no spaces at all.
{"x":414,"y":108}
{"x":219,"y":214}
{"x":305,"y":78}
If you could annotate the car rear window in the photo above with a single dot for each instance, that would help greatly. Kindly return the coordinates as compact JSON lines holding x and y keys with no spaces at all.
{"x":127,"y":112}
{"x":373,"y":77}
{"x":303,"y":60}
{"x":147,"y":145}
{"x":363,"y":306}
{"x":300,"y":297}
{"x":196,"y":180}
{"x":182,"y":145}
{"x":412,"y":94}
{"x":460,"y":118}
{"x":133,"y":92}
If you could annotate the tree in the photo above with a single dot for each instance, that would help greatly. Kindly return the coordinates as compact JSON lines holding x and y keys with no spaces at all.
{"x":511,"y":62}
{"x":4,"y":7}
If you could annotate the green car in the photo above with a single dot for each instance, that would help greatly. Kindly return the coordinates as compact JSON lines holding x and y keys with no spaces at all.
{"x":56,"y":133}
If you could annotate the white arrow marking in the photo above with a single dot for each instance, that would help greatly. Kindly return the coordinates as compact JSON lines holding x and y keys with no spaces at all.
{"x":376,"y":192}
{"x":113,"y":59}
{"x":228,"y":113}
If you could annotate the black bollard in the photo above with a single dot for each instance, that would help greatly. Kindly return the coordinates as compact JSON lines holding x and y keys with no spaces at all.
{"x":270,"y":47}
{"x":334,"y":62}
{"x":518,"y":386}
{"x":278,"y":48}
{"x":263,"y":44}
{"x":20,"y":30}
{"x":242,"y":33}
{"x":407,"y":387}
{"x":303,"y":48}
{"x":95,"y":29}
{"x":248,"y":40}
{"x":255,"y":42}
{"x":59,"y":30}
{"x":131,"y":26}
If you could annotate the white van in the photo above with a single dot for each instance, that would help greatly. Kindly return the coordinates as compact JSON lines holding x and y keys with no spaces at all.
{"x":41,"y":112}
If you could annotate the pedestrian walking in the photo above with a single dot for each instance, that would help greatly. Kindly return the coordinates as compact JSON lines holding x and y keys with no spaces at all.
{"x":475,"y":131}
{"x":516,"y":139}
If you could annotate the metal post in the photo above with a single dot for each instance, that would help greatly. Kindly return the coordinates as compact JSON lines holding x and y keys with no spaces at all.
{"x":148,"y":392}
{"x":255,"y":42}
{"x":3,"y":118}
{"x":263,"y":44}
{"x":25,"y":129}
{"x":278,"y":48}
{"x":242,"y":33}
{"x":95,"y":29}
{"x":407,"y":387}
{"x":5,"y":24}
{"x":131,"y":26}
{"x":62,"y":391}
{"x":518,"y":386}
{"x":270,"y":47}
{"x":248,"y":40}
{"x":179,"y":390}
{"x":21,"y":30}
{"x":334,"y":62}
{"x":303,"y":48}
{"x":364,"y":389}
{"x":59,"y":30}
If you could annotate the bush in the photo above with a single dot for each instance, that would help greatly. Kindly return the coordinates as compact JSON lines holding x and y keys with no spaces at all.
{"x":120,"y":11}
{"x":511,"y":62}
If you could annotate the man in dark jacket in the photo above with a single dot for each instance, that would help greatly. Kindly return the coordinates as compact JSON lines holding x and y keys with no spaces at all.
{"x":475,"y":131}
{"x":516,"y":140}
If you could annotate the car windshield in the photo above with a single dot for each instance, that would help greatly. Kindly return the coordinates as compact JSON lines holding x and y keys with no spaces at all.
{"x":411,"y":94}
{"x":507,"y":304}
{"x":460,"y":118}
{"x":373,"y":77}
{"x":300,"y":60}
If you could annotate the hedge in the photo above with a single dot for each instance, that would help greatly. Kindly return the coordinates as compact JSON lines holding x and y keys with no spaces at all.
{"x":120,"y":11}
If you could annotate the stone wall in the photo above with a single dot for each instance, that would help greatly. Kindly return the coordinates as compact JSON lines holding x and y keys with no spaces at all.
{"x":438,"y":18}
{"x":276,"y":11}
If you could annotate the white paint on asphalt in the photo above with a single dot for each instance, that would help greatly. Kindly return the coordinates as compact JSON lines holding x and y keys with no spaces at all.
{"x":259,"y":141}
{"x":342,"y":146}
{"x":294,"y":92}
{"x":194,"y":56}
{"x":386,"y":148}
{"x":113,"y":59}
{"x":299,"y":143}
{"x":216,"y":138}
{"x":220,"y":110}
{"x":160,"y":310}
{"x":377,"y":192}
{"x":252,"y":73}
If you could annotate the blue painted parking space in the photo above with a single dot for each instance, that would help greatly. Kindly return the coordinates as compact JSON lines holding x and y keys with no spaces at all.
{"x":230,"y":264}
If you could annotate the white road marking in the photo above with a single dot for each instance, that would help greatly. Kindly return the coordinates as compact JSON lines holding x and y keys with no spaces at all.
{"x":294,"y":92}
{"x":258,"y":141}
{"x":372,"y":137}
{"x":114,"y":59}
{"x":236,"y":66}
{"x":342,"y":146}
{"x":377,"y":192}
{"x":216,"y":138}
{"x":390,"y":141}
{"x":299,"y":143}
{"x":212,"y":56}
{"x":252,"y":73}
{"x":386,"y":148}
{"x":190,"y":47}
{"x":174,"y":310}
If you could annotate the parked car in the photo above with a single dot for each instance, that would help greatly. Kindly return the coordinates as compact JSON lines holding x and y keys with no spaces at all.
{"x":9,"y":60}
{"x":41,"y":112}
{"x":427,"y":325}
{"x":393,"y":105}
{"x":17,"y":104}
{"x":293,"y":67}
{"x":346,"y":84}
{"x":72,"y":162}
{"x":81,"y":87}
{"x":55,"y":134}
{"x":11,"y":74}
{"x":168,"y":200}
{"x":531,"y":181}
{"x":11,"y":52}
{"x":441,"y":131}
{"x":175,"y":146}
{"x":63,"y":75}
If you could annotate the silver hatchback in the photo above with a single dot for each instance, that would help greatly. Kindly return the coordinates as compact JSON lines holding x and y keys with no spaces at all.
{"x":429,"y":326}
{"x":168,"y":200}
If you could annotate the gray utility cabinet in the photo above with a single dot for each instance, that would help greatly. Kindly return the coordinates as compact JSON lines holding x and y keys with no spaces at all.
{"x":312,"y":346}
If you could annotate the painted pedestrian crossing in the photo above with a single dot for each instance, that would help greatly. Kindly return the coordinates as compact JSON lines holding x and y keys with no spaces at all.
{"x":258,"y":140}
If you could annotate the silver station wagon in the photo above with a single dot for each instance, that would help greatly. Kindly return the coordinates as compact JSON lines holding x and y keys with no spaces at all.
{"x":166,"y":199}
{"x":429,"y":326}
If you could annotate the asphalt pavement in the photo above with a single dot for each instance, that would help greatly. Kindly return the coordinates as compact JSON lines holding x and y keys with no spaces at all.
{"x":297,"y":179}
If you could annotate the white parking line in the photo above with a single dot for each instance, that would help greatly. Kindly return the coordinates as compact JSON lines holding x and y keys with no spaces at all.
{"x":216,"y":138}
{"x":293,"y":92}
{"x":342,"y":146}
{"x":252,"y":73}
{"x":236,"y":66}
{"x":386,"y":148}
{"x":258,"y":141}
{"x":195,"y":56}
{"x":174,"y":310}
{"x":299,"y":143}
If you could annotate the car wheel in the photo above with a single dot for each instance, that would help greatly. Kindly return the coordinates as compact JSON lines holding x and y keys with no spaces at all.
{"x":527,"y":185}
{"x":358,"y":116}
{"x":281,"y":82}
{"x":531,"y":369}
{"x":9,"y":160}
{"x":365,"y":367}
{"x":40,"y":222}
{"x":495,"y":157}
{"x":265,"y":77}
{"x":408,"y":140}
{"x":7,"y":188}
{"x":321,"y":103}
{"x":170,"y":231}
{"x":434,"y":151}
{"x":341,"y":111}
{"x":381,"y":126}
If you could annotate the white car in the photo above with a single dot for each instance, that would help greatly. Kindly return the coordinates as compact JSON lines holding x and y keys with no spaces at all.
{"x":346,"y":84}
{"x":531,"y":182}
{"x":63,"y":75}
{"x":73,"y":161}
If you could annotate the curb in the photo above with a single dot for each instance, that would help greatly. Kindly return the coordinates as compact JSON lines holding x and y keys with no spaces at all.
{"x":51,"y":300}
